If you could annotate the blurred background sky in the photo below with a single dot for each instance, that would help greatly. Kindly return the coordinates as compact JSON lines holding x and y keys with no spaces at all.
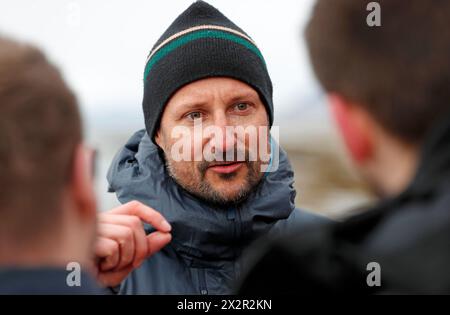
{"x":101,"y":47}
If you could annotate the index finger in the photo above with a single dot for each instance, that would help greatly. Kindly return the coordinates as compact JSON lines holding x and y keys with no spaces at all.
{"x":145,"y":213}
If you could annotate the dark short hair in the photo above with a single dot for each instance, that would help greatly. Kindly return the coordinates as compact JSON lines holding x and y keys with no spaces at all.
{"x":40,"y":127}
{"x":399,"y":71}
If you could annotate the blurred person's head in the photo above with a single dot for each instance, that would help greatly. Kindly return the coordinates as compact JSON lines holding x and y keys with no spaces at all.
{"x":387,"y":85}
{"x":47,"y":206}
{"x":206,"y":70}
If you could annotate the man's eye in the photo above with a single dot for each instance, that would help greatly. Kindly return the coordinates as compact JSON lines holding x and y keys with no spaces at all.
{"x":241,"y":106}
{"x":194,"y":115}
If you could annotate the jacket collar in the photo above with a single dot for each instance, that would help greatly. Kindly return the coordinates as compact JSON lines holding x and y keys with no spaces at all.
{"x":200,"y":230}
{"x":434,"y":166}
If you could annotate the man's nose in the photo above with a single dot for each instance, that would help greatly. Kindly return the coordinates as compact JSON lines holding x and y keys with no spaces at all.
{"x":224,"y":137}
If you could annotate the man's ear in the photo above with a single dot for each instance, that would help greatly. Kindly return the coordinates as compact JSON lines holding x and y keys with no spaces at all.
{"x":158,"y":138}
{"x":82,"y":183}
{"x":355,"y":127}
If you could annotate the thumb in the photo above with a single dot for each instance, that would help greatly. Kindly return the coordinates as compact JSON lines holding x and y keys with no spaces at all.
{"x":156,"y":241}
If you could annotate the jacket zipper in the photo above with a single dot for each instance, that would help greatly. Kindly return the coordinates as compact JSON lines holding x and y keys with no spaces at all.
{"x":234,"y":215}
{"x":202,"y":281}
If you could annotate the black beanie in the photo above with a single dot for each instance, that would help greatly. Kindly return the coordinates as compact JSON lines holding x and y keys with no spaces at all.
{"x":201,"y":43}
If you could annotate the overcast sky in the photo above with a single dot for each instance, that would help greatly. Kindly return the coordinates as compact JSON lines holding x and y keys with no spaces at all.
{"x":101,"y":45}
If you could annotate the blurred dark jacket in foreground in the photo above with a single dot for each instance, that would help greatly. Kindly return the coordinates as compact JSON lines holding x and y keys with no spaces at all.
{"x":43,"y":280}
{"x":408,"y":236}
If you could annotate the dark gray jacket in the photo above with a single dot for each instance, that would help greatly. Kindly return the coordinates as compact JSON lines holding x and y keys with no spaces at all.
{"x":203,"y":257}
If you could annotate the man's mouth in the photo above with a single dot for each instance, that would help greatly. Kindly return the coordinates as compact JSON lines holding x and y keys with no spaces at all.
{"x":226,"y":167}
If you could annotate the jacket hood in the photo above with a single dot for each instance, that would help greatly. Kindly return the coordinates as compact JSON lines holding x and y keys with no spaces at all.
{"x":200,"y":230}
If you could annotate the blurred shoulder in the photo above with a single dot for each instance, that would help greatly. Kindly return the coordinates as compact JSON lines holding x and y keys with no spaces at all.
{"x":298,"y":220}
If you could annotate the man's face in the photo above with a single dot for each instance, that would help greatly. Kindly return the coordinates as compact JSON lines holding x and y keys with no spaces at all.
{"x":218,"y":104}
